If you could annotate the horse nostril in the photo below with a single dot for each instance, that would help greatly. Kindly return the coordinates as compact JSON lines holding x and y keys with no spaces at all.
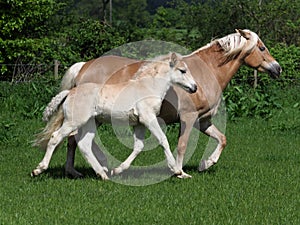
{"x":195,"y":88}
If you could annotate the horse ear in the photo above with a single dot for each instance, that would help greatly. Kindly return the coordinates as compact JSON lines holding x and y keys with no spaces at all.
{"x":244,"y":33}
{"x":173,"y":61}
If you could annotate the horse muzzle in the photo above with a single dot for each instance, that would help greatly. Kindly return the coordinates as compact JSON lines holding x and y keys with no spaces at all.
{"x":192,"y":89}
{"x":275,"y":70}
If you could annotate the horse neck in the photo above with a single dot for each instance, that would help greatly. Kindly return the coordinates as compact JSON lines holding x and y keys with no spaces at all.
{"x":213,"y":57}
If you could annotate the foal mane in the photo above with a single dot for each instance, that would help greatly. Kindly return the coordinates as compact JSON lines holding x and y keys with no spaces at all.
{"x":150,"y":67}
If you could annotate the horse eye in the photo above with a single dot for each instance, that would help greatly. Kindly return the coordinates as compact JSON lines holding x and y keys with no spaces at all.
{"x":182,"y":70}
{"x":262,"y":48}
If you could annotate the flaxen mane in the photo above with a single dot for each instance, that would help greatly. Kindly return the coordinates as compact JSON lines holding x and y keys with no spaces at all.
{"x":233,"y":44}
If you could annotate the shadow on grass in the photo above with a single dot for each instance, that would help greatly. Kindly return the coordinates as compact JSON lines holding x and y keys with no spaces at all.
{"x":59,"y":173}
{"x":132,"y":173}
{"x":194,"y":169}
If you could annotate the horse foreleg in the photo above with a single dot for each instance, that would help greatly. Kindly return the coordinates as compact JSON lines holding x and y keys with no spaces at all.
{"x":85,"y":139}
{"x":186,"y":124}
{"x":210,"y":130}
{"x":150,"y":121}
{"x":139,"y":136}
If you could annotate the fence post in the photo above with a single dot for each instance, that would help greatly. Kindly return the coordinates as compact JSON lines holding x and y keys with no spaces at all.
{"x":56,"y":64}
{"x":255,"y":79}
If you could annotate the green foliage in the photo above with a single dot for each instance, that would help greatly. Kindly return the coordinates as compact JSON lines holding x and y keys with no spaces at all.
{"x":133,"y":13}
{"x":33,"y":56}
{"x":288,"y":57}
{"x":27,"y":18}
{"x":92,"y":38}
{"x":243,"y":102}
{"x":276,"y":21}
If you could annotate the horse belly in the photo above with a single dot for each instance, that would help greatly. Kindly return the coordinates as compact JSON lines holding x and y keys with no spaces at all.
{"x":117,"y":117}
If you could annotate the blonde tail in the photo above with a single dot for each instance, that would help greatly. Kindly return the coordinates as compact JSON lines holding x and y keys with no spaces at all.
{"x":68,"y":80}
{"x":54,"y":124}
{"x":54,"y":104}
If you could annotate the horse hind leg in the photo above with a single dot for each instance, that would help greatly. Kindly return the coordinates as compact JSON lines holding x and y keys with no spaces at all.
{"x":54,"y":141}
{"x":69,"y":168}
{"x":85,"y":141}
{"x":72,"y":144}
{"x":210,"y":130}
{"x":139,"y":136}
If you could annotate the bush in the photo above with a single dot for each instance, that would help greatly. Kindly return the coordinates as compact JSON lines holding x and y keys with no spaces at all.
{"x":288,"y":57}
{"x":249,"y":102}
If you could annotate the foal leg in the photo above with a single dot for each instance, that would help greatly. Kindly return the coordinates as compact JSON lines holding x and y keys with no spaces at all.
{"x":55,"y":139}
{"x":186,"y":124}
{"x":139,"y":136}
{"x":87,"y":134}
{"x":209,"y":129}
{"x":72,"y":144}
{"x":150,"y":121}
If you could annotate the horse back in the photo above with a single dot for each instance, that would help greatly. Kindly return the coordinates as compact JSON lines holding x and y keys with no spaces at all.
{"x":105,"y":69}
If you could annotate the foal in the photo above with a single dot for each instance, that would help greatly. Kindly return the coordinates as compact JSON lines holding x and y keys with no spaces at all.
{"x":136,"y":102}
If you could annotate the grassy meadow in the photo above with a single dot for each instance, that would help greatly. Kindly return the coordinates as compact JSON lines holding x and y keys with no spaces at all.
{"x":256,"y":180}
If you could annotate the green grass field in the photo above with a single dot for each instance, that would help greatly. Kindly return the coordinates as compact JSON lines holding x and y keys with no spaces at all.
{"x":255,"y":182}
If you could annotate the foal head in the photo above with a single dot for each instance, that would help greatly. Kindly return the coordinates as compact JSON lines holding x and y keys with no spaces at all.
{"x":181,"y":75}
{"x":257,"y":55}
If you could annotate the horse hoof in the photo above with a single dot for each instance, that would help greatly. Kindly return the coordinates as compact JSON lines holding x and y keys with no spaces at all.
{"x":32,"y":174}
{"x":184,"y":175}
{"x":72,"y":173}
{"x":105,"y":169}
{"x":202,"y":166}
{"x":205,"y":164}
{"x":116,"y":171}
{"x":103,"y":176}
{"x":35,"y":173}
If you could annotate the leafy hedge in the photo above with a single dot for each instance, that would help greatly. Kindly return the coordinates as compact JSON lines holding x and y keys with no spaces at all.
{"x":89,"y":39}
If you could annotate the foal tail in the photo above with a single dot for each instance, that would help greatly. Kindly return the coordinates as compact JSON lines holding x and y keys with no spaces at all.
{"x":54,"y":116}
{"x":68,"y":80}
{"x":54,"y":104}
{"x":55,"y":122}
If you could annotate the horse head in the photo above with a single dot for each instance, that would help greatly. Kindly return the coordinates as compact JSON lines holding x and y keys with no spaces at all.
{"x":181,"y":75}
{"x":257,"y":54}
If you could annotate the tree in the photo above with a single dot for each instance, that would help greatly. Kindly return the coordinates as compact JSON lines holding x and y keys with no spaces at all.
{"x":133,"y":12}
{"x":26,"y":18}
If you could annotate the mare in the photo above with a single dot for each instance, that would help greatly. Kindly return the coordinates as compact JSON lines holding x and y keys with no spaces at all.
{"x":136,"y":102}
{"x":212,"y":67}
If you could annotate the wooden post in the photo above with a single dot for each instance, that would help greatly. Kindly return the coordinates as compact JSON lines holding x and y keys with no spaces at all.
{"x":56,"y":64}
{"x":255,"y":79}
